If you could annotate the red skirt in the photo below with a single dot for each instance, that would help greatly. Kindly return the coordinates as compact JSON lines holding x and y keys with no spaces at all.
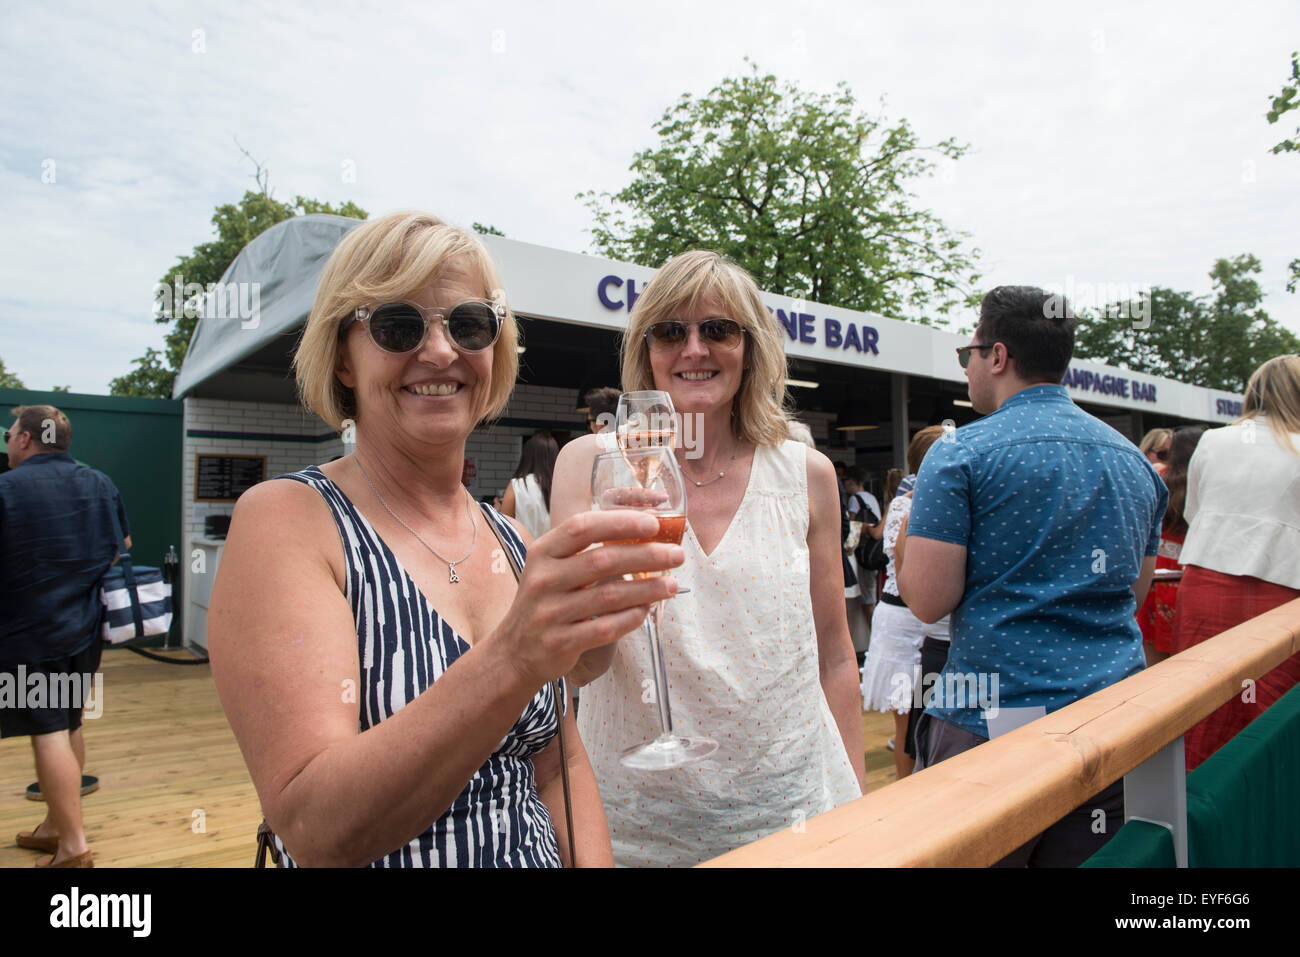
{"x":1209,"y":603}
{"x":1156,"y":616}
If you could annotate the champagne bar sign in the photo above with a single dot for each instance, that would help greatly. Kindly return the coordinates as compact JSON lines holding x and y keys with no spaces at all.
{"x":223,"y":478}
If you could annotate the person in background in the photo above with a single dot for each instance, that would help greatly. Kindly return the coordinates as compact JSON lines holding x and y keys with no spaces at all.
{"x":1155,"y":446}
{"x":863,"y":507}
{"x":889,"y":670}
{"x":1156,"y":616}
{"x":602,"y":408}
{"x":757,"y":653}
{"x":1242,"y":550}
{"x":1036,"y":527}
{"x":528,"y":498}
{"x":57,"y":539}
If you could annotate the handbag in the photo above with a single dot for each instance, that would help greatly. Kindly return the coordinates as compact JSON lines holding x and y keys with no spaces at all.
{"x":137,"y":600}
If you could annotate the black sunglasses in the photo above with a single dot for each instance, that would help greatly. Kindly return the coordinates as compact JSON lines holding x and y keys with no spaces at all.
{"x":721,"y":333}
{"x":401,"y":327}
{"x":963,"y":352}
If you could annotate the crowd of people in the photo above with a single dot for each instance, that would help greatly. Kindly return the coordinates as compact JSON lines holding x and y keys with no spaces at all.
{"x":398,"y":666}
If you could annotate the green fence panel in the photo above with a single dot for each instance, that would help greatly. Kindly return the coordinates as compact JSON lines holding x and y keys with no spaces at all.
{"x":1243,"y":804}
{"x":136,"y":443}
{"x":1136,"y":844}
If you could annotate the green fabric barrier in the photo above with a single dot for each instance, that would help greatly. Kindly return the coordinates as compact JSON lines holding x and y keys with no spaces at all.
{"x":1136,"y":844}
{"x":1243,"y":804}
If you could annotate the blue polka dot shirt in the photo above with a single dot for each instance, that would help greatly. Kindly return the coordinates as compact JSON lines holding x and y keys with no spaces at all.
{"x":1056,"y":510}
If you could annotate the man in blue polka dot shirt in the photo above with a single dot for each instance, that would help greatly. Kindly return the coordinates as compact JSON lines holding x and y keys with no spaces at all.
{"x":1036,"y":527}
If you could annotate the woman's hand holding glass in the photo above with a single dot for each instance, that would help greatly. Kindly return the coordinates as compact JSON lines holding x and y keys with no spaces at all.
{"x":573,"y":598}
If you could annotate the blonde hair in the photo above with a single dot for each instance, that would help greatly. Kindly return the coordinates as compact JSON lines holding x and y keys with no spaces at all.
{"x":759,"y":408}
{"x":1152,"y":441}
{"x":1274,"y":391}
{"x":384,"y":259}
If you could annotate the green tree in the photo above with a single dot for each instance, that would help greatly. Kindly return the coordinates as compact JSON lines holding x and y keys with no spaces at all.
{"x":803,"y":190}
{"x":1283,"y":103}
{"x":1214,"y":341}
{"x":150,"y":379}
{"x":60,"y":388}
{"x":236,"y":224}
{"x":486,"y":230}
{"x":8,"y":380}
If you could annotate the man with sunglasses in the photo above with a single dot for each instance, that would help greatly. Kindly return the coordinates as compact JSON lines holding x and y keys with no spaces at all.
{"x":57,"y":539}
{"x":1036,"y":527}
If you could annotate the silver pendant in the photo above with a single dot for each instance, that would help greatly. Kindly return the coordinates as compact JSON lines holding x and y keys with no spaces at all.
{"x":451,"y":567}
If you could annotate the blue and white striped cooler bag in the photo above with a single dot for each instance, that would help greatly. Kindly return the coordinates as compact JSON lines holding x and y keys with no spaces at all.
{"x":153,"y":598}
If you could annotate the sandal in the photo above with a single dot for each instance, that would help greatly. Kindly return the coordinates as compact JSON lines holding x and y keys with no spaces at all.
{"x":38,"y":842}
{"x":84,"y":859}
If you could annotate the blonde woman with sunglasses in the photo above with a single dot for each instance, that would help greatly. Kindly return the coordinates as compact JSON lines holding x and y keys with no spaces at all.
{"x":388,"y":680}
{"x":757,"y":652}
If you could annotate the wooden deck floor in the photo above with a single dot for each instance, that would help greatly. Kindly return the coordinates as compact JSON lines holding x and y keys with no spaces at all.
{"x":174,"y":791}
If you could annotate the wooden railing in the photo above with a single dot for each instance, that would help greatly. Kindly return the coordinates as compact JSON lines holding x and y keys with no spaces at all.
{"x":974,"y":809}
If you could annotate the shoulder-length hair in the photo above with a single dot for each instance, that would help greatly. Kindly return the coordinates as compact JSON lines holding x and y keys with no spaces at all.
{"x":759,"y":409}
{"x":384,"y":259}
{"x":1274,"y":391}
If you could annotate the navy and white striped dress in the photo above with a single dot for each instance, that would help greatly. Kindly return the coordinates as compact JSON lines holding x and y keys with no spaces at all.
{"x":404,"y":646}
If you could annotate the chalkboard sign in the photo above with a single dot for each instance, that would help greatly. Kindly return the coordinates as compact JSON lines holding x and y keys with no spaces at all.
{"x":223,"y":478}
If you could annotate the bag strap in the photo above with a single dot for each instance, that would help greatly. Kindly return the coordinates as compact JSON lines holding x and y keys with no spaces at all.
{"x":561,"y":705}
{"x":265,"y":845}
{"x":128,"y":573}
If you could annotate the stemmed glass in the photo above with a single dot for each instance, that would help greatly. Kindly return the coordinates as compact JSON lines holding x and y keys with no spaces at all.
{"x":650,"y":480}
{"x":647,"y":420}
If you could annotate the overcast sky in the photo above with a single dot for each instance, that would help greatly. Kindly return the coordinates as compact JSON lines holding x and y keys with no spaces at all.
{"x":1112,"y":143}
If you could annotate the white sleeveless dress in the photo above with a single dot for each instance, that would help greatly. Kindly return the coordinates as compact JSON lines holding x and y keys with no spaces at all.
{"x":741,"y":655}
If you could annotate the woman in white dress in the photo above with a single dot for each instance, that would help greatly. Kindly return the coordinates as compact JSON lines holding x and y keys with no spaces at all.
{"x":889,"y":671}
{"x":528,"y":497}
{"x":757,"y":653}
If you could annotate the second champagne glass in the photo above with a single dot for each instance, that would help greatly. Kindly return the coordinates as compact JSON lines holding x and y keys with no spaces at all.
{"x":648,"y":479}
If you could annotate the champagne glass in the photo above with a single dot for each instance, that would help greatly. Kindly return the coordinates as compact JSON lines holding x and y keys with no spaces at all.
{"x":650,"y":480}
{"x":647,"y":420}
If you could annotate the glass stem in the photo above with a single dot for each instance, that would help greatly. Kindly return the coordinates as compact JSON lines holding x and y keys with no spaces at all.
{"x":660,"y":672}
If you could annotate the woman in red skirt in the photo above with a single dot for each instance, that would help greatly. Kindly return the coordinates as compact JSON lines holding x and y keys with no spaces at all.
{"x":1156,"y":616}
{"x":1242,"y":551}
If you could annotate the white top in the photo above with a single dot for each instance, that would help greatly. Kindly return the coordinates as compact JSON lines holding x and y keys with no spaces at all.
{"x":899,"y":508}
{"x":530,"y":506}
{"x":1243,"y":504}
{"x":741,"y":654}
{"x":855,"y":501}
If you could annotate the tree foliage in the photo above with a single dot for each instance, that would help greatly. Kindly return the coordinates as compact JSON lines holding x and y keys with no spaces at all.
{"x":1283,"y":103}
{"x":8,"y":380}
{"x":1215,"y":341}
{"x":803,"y":190}
{"x":236,"y":225}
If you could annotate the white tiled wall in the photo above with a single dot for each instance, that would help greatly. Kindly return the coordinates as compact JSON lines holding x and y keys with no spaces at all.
{"x":219,"y":415}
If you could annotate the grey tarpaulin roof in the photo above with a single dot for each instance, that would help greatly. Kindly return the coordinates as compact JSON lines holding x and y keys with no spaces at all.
{"x":278,"y":272}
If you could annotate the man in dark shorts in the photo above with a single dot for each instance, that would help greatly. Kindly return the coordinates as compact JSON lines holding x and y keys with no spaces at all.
{"x":57,"y":540}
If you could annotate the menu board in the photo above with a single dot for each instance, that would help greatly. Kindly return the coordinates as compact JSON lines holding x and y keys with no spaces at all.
{"x":223,"y":478}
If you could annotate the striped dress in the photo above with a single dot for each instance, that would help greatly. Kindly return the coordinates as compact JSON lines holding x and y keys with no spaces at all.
{"x":404,"y":646}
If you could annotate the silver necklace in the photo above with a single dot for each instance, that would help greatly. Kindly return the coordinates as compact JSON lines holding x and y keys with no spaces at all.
{"x":720,"y":474}
{"x":451,"y":566}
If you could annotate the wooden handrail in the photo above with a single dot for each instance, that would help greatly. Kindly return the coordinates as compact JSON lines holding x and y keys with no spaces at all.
{"x":974,"y":809}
